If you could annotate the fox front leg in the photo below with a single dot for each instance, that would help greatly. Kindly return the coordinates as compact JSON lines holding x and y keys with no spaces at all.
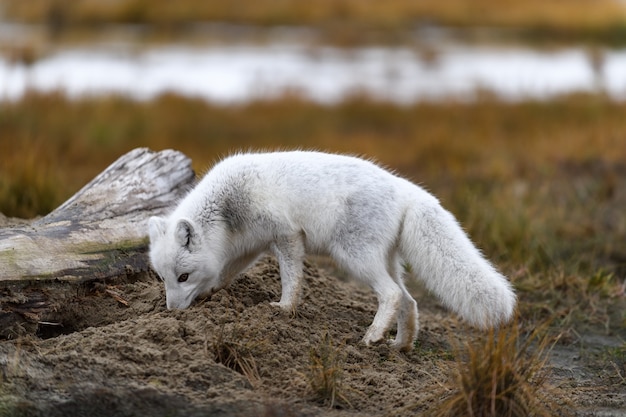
{"x":289,"y":251}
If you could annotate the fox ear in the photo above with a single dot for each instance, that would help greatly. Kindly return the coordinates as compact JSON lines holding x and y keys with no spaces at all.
{"x":186,"y":235}
{"x":156,"y":227}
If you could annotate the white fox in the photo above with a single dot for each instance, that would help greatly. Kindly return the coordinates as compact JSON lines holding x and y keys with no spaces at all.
{"x":373,"y":223}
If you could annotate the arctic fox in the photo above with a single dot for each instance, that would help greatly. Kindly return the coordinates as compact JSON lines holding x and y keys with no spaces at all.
{"x":374,"y":224}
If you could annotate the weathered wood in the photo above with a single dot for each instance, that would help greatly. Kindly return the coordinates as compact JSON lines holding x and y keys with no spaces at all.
{"x":100,"y":232}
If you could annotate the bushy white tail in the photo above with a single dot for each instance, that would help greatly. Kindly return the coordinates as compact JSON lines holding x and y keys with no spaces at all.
{"x":441,"y":254}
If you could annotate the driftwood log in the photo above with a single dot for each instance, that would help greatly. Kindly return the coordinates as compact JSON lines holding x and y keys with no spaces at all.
{"x":99,"y":233}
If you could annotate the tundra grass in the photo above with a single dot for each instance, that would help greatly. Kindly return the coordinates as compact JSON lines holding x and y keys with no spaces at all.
{"x":56,"y":144}
{"x":325,"y":373}
{"x":235,"y":350}
{"x":539,"y":186}
{"x":341,"y":20}
{"x":501,"y":375}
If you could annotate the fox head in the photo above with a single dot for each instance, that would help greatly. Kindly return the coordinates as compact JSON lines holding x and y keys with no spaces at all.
{"x":178,"y":254}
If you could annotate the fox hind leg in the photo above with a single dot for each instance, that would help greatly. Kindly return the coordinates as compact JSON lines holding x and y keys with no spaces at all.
{"x":370,"y":270}
{"x":408,"y":323}
{"x":408,"y":319}
{"x":389,"y":300}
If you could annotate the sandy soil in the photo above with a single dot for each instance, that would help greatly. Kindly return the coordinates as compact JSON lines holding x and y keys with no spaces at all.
{"x":113,"y":349}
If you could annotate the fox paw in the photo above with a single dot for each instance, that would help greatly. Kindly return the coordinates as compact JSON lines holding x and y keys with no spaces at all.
{"x":283,"y":306}
{"x":401,"y":345}
{"x":286,"y":307}
{"x":374,"y":334}
{"x":370,"y":340}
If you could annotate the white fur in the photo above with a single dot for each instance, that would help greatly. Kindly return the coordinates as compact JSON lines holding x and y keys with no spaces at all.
{"x":370,"y":221}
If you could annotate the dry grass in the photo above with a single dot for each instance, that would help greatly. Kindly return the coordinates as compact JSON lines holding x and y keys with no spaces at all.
{"x":501,"y":375}
{"x":325,"y":373}
{"x":28,"y":186}
{"x":341,"y":20}
{"x":235,"y":350}
{"x":490,"y":145}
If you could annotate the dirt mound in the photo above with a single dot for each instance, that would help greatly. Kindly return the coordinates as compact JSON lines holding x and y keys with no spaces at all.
{"x":127,"y":355}
{"x":117,"y":351}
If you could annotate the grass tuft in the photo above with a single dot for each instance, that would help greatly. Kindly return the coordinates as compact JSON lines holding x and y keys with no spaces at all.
{"x":501,"y":375}
{"x":235,"y":351}
{"x":325,"y":373}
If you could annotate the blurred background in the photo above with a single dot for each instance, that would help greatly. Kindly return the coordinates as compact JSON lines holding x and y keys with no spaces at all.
{"x":432,"y":88}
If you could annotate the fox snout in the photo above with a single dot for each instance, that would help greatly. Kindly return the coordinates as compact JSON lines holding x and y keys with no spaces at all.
{"x":181,"y":302}
{"x":177,"y":302}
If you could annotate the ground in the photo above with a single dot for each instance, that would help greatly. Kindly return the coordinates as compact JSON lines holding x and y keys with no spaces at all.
{"x":120,"y":352}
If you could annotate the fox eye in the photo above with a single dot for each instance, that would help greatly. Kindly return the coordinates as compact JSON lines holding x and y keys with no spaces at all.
{"x":183,"y":277}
